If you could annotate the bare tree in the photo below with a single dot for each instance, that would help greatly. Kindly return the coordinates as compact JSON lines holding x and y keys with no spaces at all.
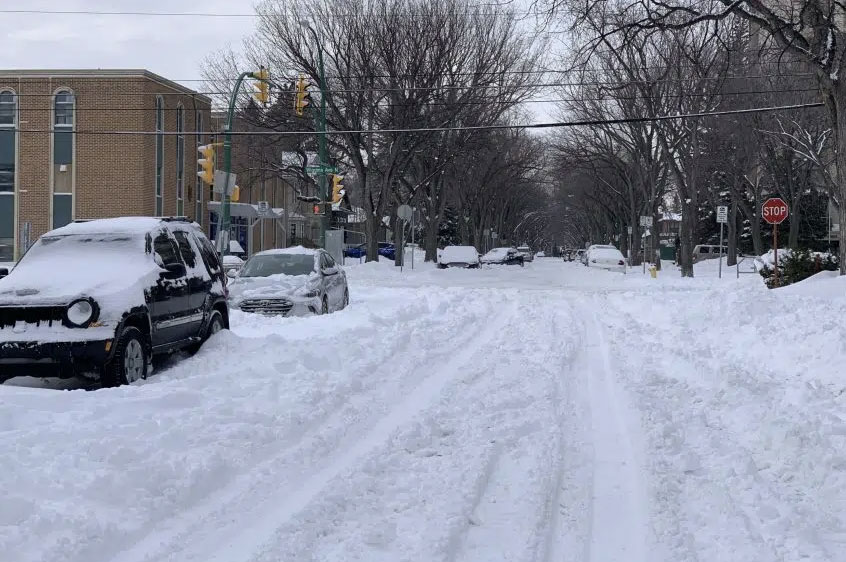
{"x":811,"y":32}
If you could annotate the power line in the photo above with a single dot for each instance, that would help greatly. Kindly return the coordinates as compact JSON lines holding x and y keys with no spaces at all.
{"x":256,"y":14}
{"x":552,"y":125}
{"x":539,"y":85}
{"x":610,"y":98}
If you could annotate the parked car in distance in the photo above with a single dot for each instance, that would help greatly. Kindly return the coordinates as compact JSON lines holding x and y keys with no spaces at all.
{"x":129,"y":288}
{"x":387,"y":250}
{"x":527,"y":253}
{"x":606,"y":257}
{"x":540,"y":255}
{"x":503,"y":256}
{"x":703,"y":252}
{"x":290,"y":282}
{"x":359,"y":251}
{"x":458,"y":256}
{"x":232,"y":263}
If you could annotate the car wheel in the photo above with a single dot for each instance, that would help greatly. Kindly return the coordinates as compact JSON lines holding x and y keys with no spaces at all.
{"x":346,"y":298}
{"x":324,"y":309}
{"x":130,"y":361}
{"x":215,"y":325}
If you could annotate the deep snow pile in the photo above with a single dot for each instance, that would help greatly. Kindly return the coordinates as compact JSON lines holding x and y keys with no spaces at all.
{"x":552,"y":412}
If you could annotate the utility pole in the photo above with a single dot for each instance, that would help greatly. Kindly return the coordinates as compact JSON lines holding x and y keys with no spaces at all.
{"x":321,"y":140}
{"x":226,"y":219}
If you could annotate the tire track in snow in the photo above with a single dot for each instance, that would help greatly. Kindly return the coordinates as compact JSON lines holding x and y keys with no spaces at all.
{"x":171,"y":539}
{"x":246,"y":538}
{"x":619,"y":518}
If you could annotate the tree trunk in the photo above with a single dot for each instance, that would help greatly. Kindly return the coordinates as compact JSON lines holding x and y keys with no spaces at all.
{"x":836,"y":103}
{"x":399,"y":228}
{"x":688,"y":227}
{"x":431,"y":242}
{"x":731,"y":240}
{"x":793,"y":229}
{"x":757,"y":241}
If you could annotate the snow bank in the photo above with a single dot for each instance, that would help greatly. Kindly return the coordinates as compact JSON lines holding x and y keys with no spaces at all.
{"x":825,"y":285}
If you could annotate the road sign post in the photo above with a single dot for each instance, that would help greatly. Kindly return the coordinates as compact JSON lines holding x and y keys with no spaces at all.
{"x":646,"y":223}
{"x":775,"y":211}
{"x":722,"y":218}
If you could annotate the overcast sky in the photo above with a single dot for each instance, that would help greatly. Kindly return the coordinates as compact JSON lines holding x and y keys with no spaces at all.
{"x":173,"y":47}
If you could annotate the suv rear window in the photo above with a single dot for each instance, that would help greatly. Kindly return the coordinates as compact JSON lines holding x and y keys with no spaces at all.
{"x":209,"y":255}
{"x":165,"y":248}
{"x":185,"y":248}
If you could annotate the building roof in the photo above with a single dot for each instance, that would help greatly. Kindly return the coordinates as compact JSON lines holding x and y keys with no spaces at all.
{"x":100,"y":73}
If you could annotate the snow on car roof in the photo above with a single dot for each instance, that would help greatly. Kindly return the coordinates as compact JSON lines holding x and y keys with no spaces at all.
{"x":459,"y":254}
{"x":291,"y":250}
{"x":123,"y":225}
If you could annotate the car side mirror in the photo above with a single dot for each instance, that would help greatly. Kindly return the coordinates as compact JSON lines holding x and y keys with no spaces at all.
{"x":4,"y":271}
{"x":231,"y":273}
{"x":329,"y":271}
{"x":174,"y":271}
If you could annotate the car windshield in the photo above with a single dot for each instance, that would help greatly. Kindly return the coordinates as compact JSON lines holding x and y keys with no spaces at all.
{"x":278,"y":264}
{"x":497,"y":253}
{"x":86,"y":248}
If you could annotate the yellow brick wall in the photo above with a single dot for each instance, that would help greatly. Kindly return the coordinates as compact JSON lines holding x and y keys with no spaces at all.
{"x":115,"y":174}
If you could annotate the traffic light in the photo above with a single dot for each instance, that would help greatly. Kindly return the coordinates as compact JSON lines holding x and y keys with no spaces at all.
{"x":207,"y":162}
{"x":337,"y":188}
{"x":318,"y":209}
{"x":262,"y":93}
{"x":236,"y":194}
{"x":301,"y":99}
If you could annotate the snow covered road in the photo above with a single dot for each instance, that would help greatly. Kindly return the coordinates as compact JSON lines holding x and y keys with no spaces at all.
{"x":547,"y":413}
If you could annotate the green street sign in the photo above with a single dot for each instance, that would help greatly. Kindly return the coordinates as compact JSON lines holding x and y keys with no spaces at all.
{"x":322,"y":169}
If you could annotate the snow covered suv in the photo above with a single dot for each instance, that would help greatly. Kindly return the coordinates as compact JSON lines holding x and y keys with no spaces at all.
{"x":99,"y":298}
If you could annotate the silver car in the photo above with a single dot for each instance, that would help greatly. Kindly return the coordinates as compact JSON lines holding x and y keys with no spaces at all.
{"x":290,"y":282}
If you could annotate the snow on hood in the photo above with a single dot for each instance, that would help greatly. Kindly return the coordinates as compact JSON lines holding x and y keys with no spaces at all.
{"x":279,"y":285}
{"x":459,"y":254}
{"x":114,"y":271}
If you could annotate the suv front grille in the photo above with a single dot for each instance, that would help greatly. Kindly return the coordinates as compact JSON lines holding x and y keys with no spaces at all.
{"x":38,"y":315}
{"x":267,"y":306}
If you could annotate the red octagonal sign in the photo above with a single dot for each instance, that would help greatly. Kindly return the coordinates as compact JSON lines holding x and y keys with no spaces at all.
{"x":774,"y":210}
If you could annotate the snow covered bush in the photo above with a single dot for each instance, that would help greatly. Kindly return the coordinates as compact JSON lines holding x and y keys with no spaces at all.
{"x":797,"y":265}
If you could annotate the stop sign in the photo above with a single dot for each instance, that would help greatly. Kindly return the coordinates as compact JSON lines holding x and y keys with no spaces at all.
{"x":774,"y":210}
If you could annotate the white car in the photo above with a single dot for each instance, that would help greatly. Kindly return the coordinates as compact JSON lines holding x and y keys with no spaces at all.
{"x":458,"y":256}
{"x":232,"y":263}
{"x":289,"y":282}
{"x":528,"y":255}
{"x":605,"y":257}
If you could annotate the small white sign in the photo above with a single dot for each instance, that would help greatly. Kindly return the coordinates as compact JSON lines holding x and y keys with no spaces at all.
{"x":220,"y":179}
{"x":645,"y":221}
{"x":630,"y":229}
{"x":722,"y":214}
{"x":263,"y":208}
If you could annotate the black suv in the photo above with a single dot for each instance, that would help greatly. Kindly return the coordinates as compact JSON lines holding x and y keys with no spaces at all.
{"x":99,"y":298}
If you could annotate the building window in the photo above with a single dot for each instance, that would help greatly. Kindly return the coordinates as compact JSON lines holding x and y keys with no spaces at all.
{"x":198,"y":129}
{"x":8,"y":146}
{"x":180,"y":160}
{"x":159,"y":156}
{"x":63,"y":157}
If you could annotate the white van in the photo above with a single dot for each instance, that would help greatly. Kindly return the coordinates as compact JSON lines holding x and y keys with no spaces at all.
{"x":706,"y":252}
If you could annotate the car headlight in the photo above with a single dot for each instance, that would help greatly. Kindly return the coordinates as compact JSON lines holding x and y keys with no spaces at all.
{"x":311,"y":293}
{"x":81,"y":313}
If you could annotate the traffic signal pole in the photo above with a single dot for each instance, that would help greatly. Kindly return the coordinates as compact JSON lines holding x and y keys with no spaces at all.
{"x":226,"y":213}
{"x":321,"y":141}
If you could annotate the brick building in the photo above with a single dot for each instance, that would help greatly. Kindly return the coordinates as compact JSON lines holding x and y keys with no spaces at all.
{"x":60,"y":159}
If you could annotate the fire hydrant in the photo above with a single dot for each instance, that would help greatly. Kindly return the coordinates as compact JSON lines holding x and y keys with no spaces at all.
{"x":653,"y":271}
